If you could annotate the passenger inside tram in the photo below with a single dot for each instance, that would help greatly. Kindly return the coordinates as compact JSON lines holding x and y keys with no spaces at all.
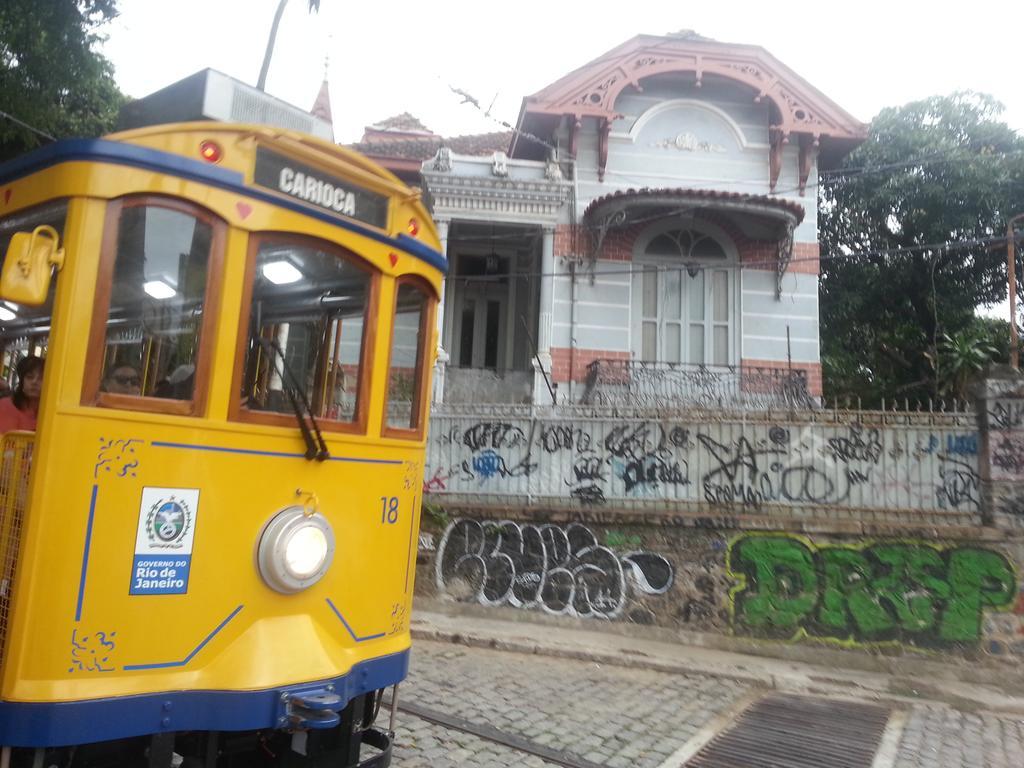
{"x":19,"y":411}
{"x":123,"y":380}
{"x":25,"y":330}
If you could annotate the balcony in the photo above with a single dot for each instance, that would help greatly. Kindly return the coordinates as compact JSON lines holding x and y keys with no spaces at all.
{"x":635,"y":384}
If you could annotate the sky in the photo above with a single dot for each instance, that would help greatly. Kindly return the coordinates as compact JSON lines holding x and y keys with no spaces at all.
{"x":387,"y":58}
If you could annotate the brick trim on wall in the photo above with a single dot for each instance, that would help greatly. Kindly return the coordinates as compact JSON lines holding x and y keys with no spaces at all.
{"x":813,"y":371}
{"x":561,"y":356}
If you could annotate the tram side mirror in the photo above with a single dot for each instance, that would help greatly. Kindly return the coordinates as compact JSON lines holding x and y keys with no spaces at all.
{"x":28,"y":266}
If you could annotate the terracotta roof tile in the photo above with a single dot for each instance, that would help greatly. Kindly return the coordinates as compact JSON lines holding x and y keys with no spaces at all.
{"x":404,"y":122}
{"x":426,"y":147}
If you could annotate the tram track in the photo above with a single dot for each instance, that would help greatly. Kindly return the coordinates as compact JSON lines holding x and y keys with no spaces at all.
{"x":494,"y":735}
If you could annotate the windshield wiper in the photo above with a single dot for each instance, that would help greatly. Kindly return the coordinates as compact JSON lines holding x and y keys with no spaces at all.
{"x":315,"y":449}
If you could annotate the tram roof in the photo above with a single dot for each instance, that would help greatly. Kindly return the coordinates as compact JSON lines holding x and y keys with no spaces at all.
{"x":121,"y":149}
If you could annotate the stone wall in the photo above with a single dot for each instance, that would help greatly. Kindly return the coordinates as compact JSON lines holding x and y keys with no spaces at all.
{"x":890,"y":533}
{"x":892,"y":595}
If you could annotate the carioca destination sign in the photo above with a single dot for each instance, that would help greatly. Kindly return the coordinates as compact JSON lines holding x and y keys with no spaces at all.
{"x":322,"y":190}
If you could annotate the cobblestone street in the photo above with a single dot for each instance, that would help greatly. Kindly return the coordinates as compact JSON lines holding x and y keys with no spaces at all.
{"x":624,"y":717}
{"x":608,"y":715}
{"x":938,"y":736}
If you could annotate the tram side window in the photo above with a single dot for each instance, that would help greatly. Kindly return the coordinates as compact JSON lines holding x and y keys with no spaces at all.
{"x":24,"y":330}
{"x":409,"y":334}
{"x":307,"y":331}
{"x":158,"y":284}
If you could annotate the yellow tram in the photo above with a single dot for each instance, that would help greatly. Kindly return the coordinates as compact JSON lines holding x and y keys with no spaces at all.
{"x":208,"y":543}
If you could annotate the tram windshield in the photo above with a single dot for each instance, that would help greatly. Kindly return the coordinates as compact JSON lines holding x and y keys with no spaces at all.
{"x":309,"y":300}
{"x":25,"y":330}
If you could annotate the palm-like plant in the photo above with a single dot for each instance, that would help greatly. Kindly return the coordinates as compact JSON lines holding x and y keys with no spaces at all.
{"x":314,"y":7}
{"x":962,"y":356}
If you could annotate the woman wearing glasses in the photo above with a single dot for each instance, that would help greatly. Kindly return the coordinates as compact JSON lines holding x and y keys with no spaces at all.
{"x":123,"y":380}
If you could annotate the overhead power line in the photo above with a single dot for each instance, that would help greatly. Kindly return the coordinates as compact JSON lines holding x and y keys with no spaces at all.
{"x":23,"y":124}
{"x":634,"y":268}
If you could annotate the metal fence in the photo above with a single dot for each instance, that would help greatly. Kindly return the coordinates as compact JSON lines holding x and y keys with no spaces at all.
{"x":632,"y":383}
{"x":736,"y":461}
{"x":15,"y":462}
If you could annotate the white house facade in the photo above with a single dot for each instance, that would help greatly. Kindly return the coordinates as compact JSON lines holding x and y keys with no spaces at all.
{"x":650,"y":234}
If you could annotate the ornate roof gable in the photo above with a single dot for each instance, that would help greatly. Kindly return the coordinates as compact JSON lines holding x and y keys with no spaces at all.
{"x":797,"y":106}
{"x":592,"y":89}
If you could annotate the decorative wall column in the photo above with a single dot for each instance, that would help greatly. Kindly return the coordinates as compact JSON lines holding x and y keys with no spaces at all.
{"x":1000,"y":410}
{"x":441,"y":365}
{"x":545,"y":318}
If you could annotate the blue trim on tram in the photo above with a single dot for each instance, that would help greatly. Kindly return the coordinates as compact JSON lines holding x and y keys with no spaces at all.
{"x":56,"y":724}
{"x":104,"y":151}
{"x":357,"y":638}
{"x":85,"y":553}
{"x":197,"y":649}
{"x":276,"y":454}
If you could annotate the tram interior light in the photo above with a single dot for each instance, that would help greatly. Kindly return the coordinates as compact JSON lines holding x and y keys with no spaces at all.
{"x":281,"y":272}
{"x":327,"y":299}
{"x":158,"y":289}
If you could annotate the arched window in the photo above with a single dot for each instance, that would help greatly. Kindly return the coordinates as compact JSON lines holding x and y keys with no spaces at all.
{"x":683,"y":298}
{"x":156,"y":306}
{"x":407,"y":380}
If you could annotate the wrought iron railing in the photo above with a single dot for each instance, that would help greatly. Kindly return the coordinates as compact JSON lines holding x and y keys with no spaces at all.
{"x":631,"y":383}
{"x":15,"y":461}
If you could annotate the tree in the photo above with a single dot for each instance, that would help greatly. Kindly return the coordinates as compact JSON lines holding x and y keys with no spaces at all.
{"x":314,"y":7}
{"x":912,"y":234}
{"x":51,"y":77}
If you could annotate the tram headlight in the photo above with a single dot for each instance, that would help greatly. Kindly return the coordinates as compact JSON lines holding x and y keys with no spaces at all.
{"x":295,"y":550}
{"x":305,"y":552}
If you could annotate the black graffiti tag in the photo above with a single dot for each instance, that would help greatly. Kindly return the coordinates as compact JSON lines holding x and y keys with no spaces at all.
{"x":495,"y":435}
{"x":739,"y":477}
{"x":1008,"y":455}
{"x":1006,"y":414}
{"x":960,"y":483}
{"x":858,"y":445}
{"x":633,"y":441}
{"x":587,"y":478}
{"x":651,"y":470}
{"x":558,"y":437}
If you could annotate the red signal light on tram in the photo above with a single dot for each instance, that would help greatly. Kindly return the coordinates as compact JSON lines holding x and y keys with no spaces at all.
{"x":210,"y":151}
{"x":414,"y":227}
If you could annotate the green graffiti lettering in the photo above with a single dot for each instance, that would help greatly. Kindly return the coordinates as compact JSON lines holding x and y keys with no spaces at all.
{"x":979,"y":578}
{"x":908,"y":585}
{"x":892,"y":591}
{"x":846,"y":594}
{"x":781,"y":587}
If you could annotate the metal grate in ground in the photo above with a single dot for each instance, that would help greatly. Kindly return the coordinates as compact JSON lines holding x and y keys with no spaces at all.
{"x":784,"y":731}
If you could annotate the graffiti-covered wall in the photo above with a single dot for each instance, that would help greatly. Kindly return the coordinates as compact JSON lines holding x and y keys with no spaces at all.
{"x":879,"y":531}
{"x":730,"y":463}
{"x":893,"y":593}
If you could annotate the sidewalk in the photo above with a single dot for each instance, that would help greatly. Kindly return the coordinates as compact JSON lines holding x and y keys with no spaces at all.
{"x":434,"y":622}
